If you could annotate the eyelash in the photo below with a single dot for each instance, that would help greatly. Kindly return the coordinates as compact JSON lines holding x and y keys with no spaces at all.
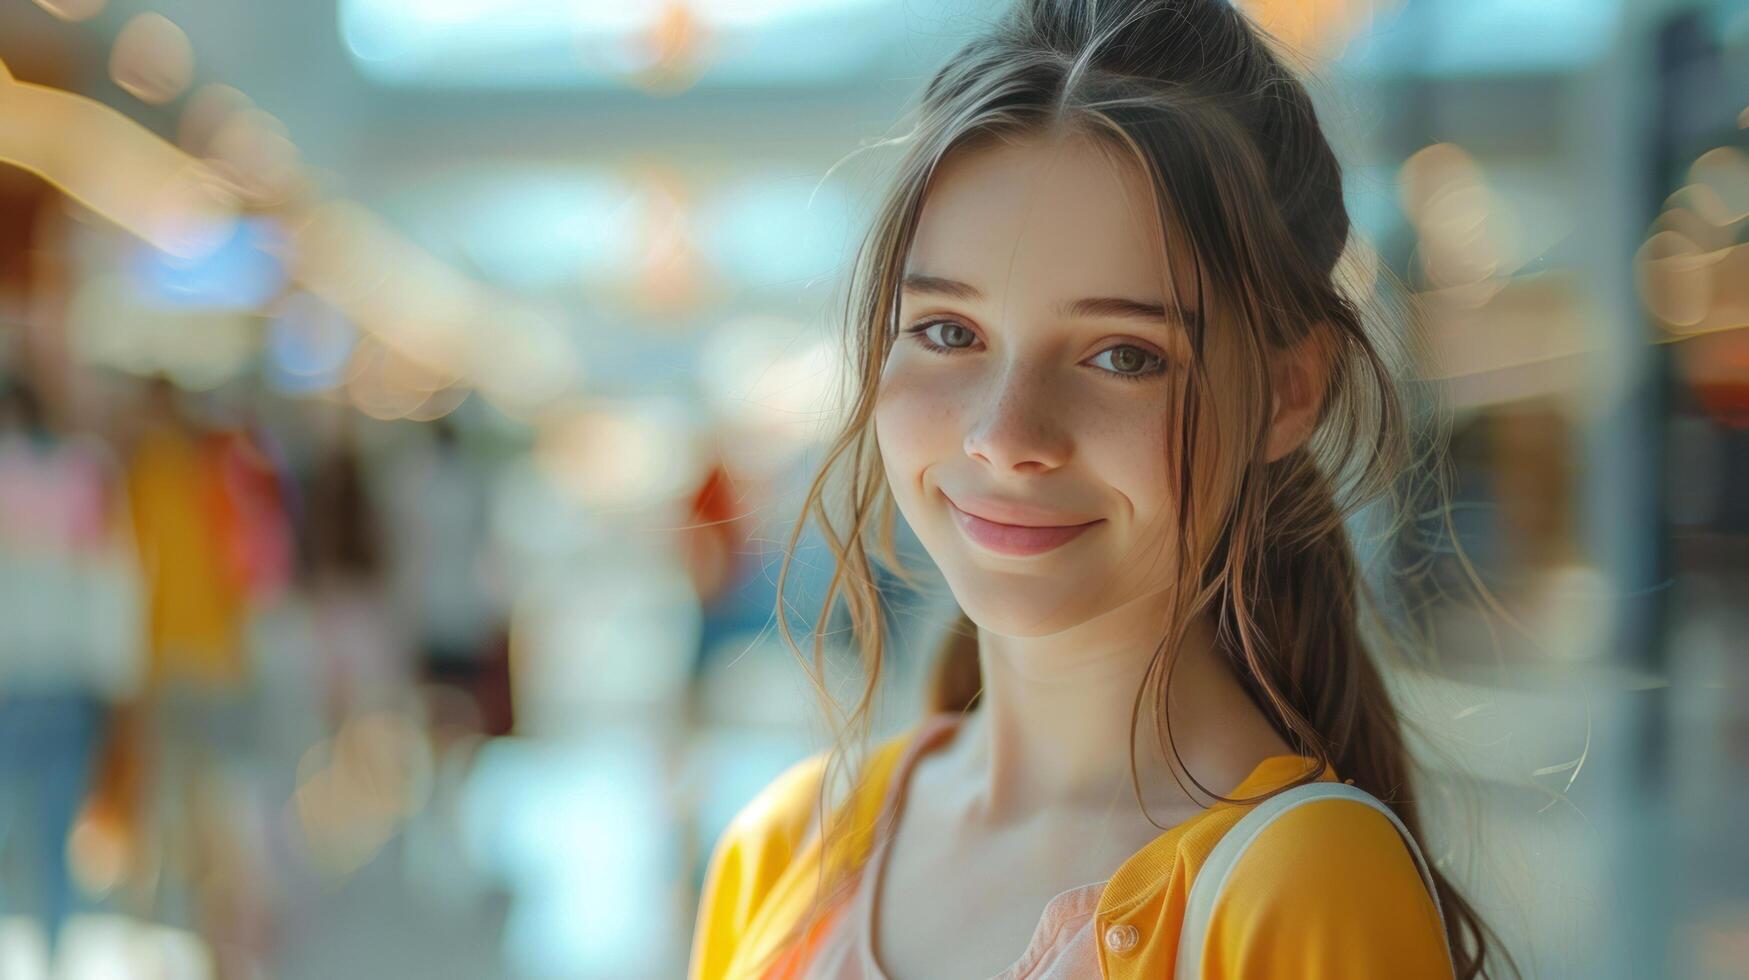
{"x":919,"y":333}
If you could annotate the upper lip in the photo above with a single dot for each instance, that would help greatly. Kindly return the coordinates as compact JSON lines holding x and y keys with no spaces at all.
{"x":999,"y":511}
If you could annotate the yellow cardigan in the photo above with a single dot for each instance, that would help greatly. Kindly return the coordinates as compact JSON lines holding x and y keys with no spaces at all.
{"x":1325,"y":892}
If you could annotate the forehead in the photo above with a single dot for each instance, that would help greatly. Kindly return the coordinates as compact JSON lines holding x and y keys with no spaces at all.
{"x":1044,"y":218}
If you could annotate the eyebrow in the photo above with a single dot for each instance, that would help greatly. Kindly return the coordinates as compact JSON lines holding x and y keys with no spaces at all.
{"x":1093,"y":306}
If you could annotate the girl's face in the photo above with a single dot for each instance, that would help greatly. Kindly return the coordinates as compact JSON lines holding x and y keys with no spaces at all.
{"x":1024,"y":412}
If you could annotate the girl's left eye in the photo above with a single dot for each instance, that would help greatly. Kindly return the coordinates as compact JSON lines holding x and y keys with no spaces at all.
{"x":1128,"y":361}
{"x":1134,"y":363}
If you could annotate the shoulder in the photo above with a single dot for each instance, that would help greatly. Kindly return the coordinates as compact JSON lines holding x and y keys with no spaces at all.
{"x":1328,"y":888}
{"x":773,"y":823}
{"x":747,"y":859}
{"x":766,"y":836}
{"x":786,"y":812}
{"x":780,"y":812}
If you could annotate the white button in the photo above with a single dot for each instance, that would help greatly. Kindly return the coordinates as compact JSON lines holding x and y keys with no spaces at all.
{"x":1121,"y":938}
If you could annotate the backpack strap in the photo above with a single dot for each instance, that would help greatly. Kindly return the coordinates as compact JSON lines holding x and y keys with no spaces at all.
{"x":1211,"y":879}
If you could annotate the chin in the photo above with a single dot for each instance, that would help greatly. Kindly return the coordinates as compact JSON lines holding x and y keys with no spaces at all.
{"x":1010,"y":604}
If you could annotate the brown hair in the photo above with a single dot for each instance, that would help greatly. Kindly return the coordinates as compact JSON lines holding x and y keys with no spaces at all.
{"x":1198,"y":98}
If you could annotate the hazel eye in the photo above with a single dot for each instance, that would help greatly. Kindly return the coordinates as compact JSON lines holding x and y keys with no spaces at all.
{"x":943,"y":336}
{"x":949,"y":334}
{"x":1130,"y":361}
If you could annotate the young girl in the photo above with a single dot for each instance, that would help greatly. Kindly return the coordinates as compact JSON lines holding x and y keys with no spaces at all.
{"x":1109,"y":373}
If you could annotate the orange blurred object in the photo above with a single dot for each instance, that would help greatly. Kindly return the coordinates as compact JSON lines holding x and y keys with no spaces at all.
{"x":714,"y":534}
{"x":1716,"y":366}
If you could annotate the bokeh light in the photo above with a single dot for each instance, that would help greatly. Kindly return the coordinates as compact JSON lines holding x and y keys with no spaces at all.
{"x":1724,"y":173}
{"x":152,"y":59}
{"x":616,"y":455}
{"x":205,"y":112}
{"x":73,"y":10}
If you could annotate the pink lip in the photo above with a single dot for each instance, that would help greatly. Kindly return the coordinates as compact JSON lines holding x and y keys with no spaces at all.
{"x":1034,"y":537}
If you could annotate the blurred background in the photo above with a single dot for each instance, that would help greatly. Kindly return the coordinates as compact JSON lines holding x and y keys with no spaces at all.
{"x":404,"y":405}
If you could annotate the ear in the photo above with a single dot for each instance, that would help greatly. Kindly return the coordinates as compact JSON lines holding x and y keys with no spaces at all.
{"x":1298,"y":376}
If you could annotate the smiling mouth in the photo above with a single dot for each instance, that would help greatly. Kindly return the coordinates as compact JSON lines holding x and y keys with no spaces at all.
{"x":1015,"y":539}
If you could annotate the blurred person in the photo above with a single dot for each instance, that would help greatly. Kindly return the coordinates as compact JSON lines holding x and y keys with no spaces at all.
{"x":1519,"y":456}
{"x":364,"y":650}
{"x":1536,"y":477}
{"x":1108,"y":374}
{"x":198,"y":707}
{"x":449,"y":575}
{"x":450,"y":590}
{"x":196,"y":597}
{"x":69,"y":645}
{"x":254,"y":516}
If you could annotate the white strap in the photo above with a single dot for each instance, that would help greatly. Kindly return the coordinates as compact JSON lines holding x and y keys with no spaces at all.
{"x":1212,"y":878}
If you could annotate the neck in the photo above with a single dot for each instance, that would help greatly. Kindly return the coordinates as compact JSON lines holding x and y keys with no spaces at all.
{"x":1053,"y":722}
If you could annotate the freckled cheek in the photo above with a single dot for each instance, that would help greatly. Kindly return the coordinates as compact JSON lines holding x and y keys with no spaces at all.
{"x":1129,"y":452}
{"x":917,"y":422}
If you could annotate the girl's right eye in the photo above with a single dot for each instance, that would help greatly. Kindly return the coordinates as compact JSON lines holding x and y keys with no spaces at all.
{"x":943,"y":336}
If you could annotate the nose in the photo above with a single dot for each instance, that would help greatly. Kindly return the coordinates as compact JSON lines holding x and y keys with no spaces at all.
{"x":1018,"y":426}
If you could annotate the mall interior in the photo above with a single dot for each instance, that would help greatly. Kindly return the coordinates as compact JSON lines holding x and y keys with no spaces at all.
{"x":406,"y":408}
